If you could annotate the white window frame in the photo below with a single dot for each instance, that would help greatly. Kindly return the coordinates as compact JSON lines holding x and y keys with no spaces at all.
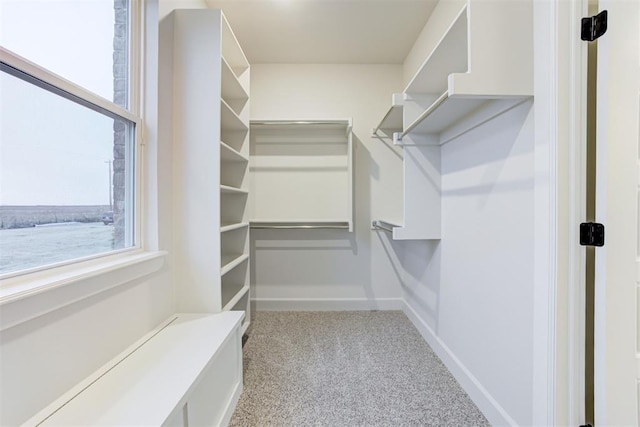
{"x":29,"y":293}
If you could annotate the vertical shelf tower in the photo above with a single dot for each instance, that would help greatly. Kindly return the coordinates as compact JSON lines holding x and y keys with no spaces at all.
{"x":210,"y":76}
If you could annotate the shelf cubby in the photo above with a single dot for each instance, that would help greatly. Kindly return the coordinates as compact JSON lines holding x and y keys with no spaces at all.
{"x":230,"y":120}
{"x":231,"y":155}
{"x":235,"y":296}
{"x":233,"y":208}
{"x":232,"y":174}
{"x":233,"y":93}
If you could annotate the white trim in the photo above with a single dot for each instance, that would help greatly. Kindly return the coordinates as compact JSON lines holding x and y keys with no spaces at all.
{"x":577,"y":165}
{"x":545,"y":289}
{"x":327,"y":304}
{"x":491,"y":409}
{"x":28,"y":67}
{"x":26,"y":298}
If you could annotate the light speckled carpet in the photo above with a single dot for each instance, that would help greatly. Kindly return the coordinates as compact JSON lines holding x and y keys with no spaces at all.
{"x":346,"y":369}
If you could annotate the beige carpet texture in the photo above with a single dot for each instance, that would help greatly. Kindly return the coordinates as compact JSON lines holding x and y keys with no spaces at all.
{"x":364,"y":368}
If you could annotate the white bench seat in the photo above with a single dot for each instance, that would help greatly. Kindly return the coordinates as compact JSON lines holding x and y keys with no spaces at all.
{"x":186,"y":372}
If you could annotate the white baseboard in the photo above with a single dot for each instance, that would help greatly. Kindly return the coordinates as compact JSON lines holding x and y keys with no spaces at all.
{"x":327,"y":304}
{"x":491,"y":409}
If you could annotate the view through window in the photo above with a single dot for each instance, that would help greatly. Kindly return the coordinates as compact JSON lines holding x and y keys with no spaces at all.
{"x":66,"y":165}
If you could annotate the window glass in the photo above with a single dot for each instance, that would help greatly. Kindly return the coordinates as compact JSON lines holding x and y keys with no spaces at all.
{"x":84,"y":41}
{"x":66,"y":178}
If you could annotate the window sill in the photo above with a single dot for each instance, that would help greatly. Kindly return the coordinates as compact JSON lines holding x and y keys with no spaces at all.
{"x":26,"y":297}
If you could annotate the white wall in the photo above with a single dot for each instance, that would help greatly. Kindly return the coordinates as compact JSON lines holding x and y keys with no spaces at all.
{"x":166,"y":6}
{"x":473,"y":290}
{"x":43,"y":358}
{"x":471,"y":293}
{"x":323,"y":268}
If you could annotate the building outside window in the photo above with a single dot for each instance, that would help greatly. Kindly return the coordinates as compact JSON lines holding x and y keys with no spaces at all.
{"x":68,"y":132}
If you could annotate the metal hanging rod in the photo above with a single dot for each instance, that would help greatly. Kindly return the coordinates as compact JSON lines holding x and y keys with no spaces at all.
{"x":300,"y":225}
{"x":300,"y":122}
{"x":383,"y":225}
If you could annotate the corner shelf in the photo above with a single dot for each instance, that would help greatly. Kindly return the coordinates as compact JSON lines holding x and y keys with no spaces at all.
{"x":480,"y":67}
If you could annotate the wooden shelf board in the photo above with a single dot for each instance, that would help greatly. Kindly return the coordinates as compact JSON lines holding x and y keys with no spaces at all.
{"x":236,"y":298}
{"x":229,"y":262}
{"x":456,"y":115}
{"x":231,"y":227}
{"x":232,"y":190}
{"x":229,"y":120}
{"x":229,"y":154}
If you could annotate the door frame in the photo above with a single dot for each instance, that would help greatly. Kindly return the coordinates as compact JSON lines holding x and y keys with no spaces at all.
{"x":560,"y":189}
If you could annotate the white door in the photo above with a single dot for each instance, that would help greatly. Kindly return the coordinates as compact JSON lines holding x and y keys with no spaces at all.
{"x":616,"y":367}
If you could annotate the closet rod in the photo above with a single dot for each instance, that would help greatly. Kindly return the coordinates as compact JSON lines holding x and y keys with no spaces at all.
{"x":301,"y":122}
{"x":383,"y":225}
{"x":300,"y":225}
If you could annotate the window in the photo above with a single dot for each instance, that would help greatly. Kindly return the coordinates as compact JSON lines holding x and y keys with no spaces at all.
{"x":68,"y":132}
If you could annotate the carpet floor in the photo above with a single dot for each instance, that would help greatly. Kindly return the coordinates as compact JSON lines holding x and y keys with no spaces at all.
{"x":346,"y":369}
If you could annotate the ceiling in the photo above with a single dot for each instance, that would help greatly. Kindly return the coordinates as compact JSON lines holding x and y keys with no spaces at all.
{"x":326,"y":31}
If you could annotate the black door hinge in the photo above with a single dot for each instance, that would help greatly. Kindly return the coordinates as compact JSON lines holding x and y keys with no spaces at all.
{"x":594,"y":26}
{"x":591,"y":234}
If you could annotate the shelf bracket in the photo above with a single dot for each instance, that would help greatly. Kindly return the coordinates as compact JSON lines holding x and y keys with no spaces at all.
{"x":377,"y":224}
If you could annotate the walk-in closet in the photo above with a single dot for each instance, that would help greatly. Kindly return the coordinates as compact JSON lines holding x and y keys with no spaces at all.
{"x":320,"y":212}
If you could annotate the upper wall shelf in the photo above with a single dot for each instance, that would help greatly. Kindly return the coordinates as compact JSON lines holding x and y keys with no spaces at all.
{"x":392,"y":121}
{"x":481,"y":67}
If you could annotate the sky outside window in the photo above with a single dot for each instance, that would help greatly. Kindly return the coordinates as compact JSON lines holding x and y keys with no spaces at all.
{"x":53,"y":151}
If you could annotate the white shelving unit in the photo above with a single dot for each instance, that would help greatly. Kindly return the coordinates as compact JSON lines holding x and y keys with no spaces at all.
{"x":301,"y":174}
{"x":210,"y":74}
{"x":480,"y":67}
